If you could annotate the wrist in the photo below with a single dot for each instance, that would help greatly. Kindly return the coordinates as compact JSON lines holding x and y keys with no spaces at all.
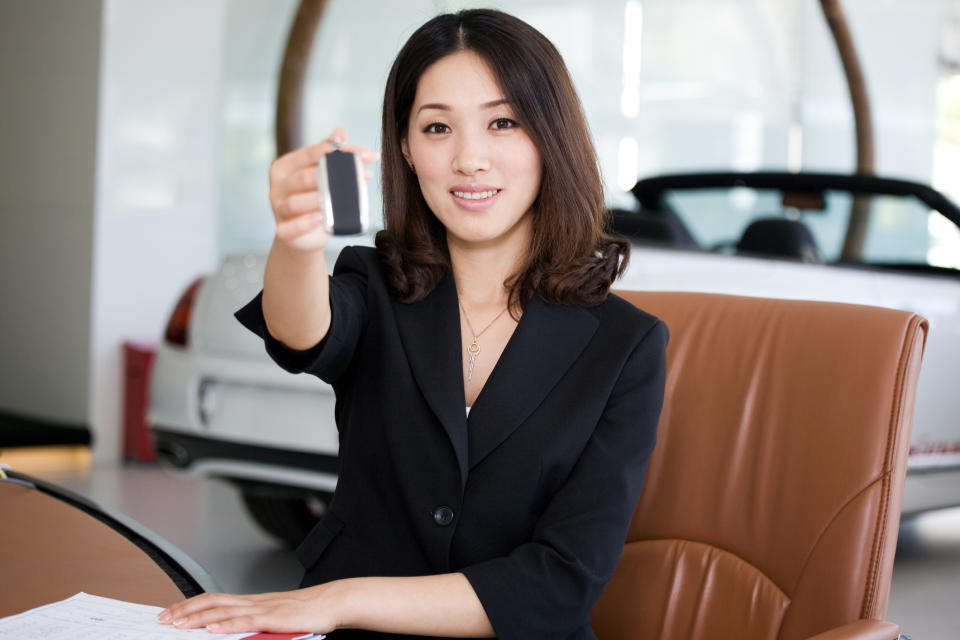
{"x":343,"y":596}
{"x":295,"y":252}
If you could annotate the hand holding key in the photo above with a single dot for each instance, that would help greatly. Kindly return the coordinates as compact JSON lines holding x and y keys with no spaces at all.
{"x":295,"y":197}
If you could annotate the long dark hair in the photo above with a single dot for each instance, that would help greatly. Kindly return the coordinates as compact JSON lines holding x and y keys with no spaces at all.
{"x":571,"y":259}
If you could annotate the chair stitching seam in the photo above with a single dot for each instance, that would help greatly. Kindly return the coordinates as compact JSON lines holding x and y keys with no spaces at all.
{"x":829,"y":524}
{"x":883,"y":478}
{"x":906,"y":354}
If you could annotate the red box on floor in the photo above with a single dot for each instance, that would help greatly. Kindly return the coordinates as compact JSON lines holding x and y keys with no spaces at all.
{"x":137,"y":362}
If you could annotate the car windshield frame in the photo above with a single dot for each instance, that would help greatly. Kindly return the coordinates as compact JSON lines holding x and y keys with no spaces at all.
{"x":650,"y":191}
{"x":656,"y":196}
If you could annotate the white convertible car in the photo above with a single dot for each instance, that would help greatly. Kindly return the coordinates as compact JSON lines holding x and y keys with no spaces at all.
{"x":220,"y":408}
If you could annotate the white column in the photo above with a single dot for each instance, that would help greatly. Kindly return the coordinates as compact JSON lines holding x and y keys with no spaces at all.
{"x":157,"y":173}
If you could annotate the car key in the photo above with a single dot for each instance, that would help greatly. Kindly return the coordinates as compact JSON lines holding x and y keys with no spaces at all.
{"x":343,"y":193}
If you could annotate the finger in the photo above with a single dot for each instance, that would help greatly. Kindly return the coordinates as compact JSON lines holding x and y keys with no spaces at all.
{"x":338,"y":134}
{"x":336,"y":140}
{"x":308,"y":155}
{"x":304,"y":180}
{"x":216,"y":615}
{"x":296,"y":227}
{"x":198,"y":603}
{"x":242,"y":624}
{"x":201,"y":602}
{"x":270,"y":621}
{"x":366,"y":154}
{"x":300,"y":181}
{"x":298,"y":205}
{"x":311,"y":154}
{"x":298,"y":159}
{"x":176,"y":610}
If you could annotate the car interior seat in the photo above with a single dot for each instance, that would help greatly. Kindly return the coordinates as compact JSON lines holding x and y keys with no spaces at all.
{"x":779,"y":237}
{"x":772,"y":498}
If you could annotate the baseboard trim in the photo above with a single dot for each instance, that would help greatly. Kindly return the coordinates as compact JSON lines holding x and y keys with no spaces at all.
{"x":17,"y":430}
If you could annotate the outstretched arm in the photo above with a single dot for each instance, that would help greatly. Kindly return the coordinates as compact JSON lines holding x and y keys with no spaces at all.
{"x":296,"y":304}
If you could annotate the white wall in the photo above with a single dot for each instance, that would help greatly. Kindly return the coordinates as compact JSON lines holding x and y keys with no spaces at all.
{"x":254,"y":40}
{"x":49,"y":57}
{"x":156,"y":181}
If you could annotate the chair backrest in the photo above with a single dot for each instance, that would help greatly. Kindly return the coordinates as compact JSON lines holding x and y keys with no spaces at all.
{"x":772,"y":499}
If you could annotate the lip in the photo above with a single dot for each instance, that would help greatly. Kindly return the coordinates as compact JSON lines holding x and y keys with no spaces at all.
{"x":471,"y":204}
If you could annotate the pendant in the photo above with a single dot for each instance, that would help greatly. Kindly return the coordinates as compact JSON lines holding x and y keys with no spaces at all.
{"x":472,"y":351}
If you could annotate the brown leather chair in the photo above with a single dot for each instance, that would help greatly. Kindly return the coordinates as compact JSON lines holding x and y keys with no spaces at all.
{"x":772,"y":500}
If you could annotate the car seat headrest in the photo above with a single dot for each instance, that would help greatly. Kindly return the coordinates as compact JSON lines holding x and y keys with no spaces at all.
{"x":779,"y":237}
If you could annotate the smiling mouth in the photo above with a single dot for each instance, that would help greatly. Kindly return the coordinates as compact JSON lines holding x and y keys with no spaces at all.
{"x":476,"y":195}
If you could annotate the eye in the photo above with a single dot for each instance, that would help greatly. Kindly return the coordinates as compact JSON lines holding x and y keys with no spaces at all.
{"x":504,"y":123}
{"x":436,"y":127}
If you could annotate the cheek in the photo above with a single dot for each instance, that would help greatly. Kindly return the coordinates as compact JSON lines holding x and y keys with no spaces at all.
{"x":429,"y":166}
{"x":431,"y":177}
{"x":526,"y":161}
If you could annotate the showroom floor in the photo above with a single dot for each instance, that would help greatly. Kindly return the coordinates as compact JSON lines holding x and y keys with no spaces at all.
{"x":206,"y":520}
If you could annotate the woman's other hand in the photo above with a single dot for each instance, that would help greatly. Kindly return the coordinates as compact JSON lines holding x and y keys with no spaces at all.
{"x":305,"y":610}
{"x":294,"y":196}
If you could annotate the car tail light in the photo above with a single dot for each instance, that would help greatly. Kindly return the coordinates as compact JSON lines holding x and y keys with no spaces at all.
{"x":178,"y":327}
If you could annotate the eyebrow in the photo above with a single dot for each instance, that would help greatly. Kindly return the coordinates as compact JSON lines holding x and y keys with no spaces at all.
{"x":446,"y":107}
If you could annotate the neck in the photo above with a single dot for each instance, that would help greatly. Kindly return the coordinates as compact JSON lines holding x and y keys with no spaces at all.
{"x":480,"y":270}
{"x":480,"y":275}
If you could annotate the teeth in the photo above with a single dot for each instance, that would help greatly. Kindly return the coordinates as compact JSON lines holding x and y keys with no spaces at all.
{"x":475,"y":195}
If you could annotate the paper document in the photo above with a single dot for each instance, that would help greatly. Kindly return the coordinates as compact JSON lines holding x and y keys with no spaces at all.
{"x":87,"y":617}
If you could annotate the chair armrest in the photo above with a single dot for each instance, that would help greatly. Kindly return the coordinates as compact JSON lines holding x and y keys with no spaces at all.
{"x":861,"y":630}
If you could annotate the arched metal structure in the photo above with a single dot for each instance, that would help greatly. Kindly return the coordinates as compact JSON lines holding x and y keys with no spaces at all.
{"x":293,"y":74}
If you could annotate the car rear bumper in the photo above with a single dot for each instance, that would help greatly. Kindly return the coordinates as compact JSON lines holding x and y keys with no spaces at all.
{"x":233,"y":400}
{"x":246,"y":462}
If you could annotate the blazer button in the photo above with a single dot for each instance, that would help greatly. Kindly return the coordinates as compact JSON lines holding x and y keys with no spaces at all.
{"x":443,"y":515}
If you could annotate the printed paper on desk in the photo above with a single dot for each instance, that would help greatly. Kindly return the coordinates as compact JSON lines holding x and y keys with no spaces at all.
{"x":87,"y":617}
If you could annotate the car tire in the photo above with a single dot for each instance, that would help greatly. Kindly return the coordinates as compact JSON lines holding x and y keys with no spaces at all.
{"x":288,"y":519}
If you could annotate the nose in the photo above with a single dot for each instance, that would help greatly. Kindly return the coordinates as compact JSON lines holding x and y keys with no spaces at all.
{"x":471,"y":155}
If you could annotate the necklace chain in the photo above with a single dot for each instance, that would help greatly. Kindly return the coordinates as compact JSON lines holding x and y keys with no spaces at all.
{"x":474,"y":349}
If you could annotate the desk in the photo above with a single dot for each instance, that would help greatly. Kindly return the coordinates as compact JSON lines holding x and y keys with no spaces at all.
{"x":54,"y":544}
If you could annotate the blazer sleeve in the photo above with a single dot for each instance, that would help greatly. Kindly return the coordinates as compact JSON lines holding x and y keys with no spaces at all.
{"x":547,"y":587}
{"x":330,"y":357}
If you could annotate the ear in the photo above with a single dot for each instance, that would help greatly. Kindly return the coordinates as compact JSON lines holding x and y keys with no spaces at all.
{"x":405,"y":149}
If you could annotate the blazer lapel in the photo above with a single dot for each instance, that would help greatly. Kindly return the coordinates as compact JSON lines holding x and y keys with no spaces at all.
{"x":543,"y":347}
{"x":430,"y":332}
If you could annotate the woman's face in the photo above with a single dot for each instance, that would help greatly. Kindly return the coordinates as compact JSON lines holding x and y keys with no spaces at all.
{"x":478,"y":169}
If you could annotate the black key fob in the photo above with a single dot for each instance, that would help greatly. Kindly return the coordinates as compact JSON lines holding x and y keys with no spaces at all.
{"x":343,"y":193}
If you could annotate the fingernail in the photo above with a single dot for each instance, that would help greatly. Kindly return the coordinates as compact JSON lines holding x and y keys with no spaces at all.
{"x":177,"y":623}
{"x":213,"y":627}
{"x":163,"y":616}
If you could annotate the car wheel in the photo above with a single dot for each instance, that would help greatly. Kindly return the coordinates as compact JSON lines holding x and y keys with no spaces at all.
{"x":289,"y":519}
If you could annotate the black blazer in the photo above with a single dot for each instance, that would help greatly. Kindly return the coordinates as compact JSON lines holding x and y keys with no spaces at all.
{"x":532,"y":496}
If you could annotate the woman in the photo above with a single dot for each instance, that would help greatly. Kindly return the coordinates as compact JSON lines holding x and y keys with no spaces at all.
{"x":496,"y":406}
